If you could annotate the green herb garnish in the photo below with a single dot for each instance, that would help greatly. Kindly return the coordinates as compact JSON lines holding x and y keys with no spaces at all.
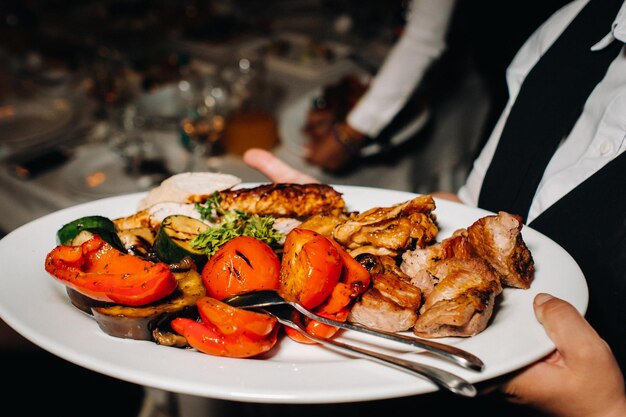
{"x":231,"y":224}
{"x":211,"y":209}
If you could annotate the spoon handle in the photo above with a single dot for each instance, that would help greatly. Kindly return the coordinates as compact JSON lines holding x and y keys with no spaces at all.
{"x":438,"y":376}
{"x":454,"y":354}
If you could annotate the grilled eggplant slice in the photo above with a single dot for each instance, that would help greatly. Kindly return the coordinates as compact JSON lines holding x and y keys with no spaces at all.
{"x":140,"y":322}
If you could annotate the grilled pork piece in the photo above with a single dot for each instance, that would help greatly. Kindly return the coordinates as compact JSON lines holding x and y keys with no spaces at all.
{"x":417,"y":263}
{"x":394,"y":228}
{"x":495,"y":238}
{"x":285,"y":200}
{"x":462,"y":302}
{"x":498,"y":240}
{"x":376,"y":311}
{"x":391,"y":303}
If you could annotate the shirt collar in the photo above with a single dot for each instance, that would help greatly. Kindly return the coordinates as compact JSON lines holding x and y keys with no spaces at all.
{"x":618,"y":31}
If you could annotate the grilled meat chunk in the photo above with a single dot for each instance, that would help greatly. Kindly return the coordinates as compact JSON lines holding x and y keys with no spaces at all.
{"x":391,"y":303}
{"x":324,"y":224}
{"x":284,"y":200}
{"x":462,"y":301}
{"x":463,"y":316}
{"x":152,"y":216}
{"x":398,"y":290}
{"x":417,"y":263}
{"x":188,"y":187}
{"x":394,"y":228}
{"x":376,"y":311}
{"x":498,"y":240}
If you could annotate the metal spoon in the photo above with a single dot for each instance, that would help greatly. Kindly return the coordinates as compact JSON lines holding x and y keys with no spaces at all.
{"x":438,"y":376}
{"x":266,"y":298}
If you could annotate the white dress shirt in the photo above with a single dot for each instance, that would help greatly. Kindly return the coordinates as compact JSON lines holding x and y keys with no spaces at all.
{"x":598,"y":136}
{"x":422,"y":42}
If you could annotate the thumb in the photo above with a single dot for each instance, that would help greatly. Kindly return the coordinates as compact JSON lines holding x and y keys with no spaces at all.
{"x":564,"y":325}
{"x":275,"y":169}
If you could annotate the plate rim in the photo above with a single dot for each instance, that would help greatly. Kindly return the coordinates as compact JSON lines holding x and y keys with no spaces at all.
{"x":399,"y":384}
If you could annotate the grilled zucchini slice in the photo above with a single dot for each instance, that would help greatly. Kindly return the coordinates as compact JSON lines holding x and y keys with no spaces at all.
{"x":79,"y":230}
{"x":173,"y":241}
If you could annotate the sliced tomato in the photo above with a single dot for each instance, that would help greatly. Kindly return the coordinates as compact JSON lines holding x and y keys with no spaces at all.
{"x":207,"y":339}
{"x":314,"y":327}
{"x":339,"y":300}
{"x":321,"y":330}
{"x":101,"y":272}
{"x":242,"y":264}
{"x":295,"y":334}
{"x":311,"y":267}
{"x":355,"y":279}
{"x":353,"y":274}
{"x":228,"y":331}
{"x":231,"y":320}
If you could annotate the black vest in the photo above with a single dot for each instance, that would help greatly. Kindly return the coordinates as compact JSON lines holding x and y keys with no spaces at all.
{"x":550,"y":100}
{"x":590,"y":221}
{"x":590,"y":224}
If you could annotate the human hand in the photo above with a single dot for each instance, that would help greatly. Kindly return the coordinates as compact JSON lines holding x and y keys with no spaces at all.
{"x":581,"y":378}
{"x":275,"y":169}
{"x":333,"y":146}
{"x":332,"y":142}
{"x":319,"y":123}
{"x":326,"y":152}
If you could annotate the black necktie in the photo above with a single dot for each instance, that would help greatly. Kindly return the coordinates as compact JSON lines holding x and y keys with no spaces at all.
{"x":550,"y":101}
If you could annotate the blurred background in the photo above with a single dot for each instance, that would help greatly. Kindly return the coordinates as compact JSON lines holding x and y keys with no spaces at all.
{"x":107,"y":97}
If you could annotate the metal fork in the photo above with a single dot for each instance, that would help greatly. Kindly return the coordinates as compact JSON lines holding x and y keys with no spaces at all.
{"x":438,"y":376}
{"x":266,"y":298}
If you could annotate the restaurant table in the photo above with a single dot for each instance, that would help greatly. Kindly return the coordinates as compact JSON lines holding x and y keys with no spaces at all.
{"x":24,"y":199}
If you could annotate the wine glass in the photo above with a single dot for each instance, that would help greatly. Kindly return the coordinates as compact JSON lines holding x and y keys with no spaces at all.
{"x":202,"y":127}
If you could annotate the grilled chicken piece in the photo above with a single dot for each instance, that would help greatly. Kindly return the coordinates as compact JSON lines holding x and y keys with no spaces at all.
{"x":394,"y":228}
{"x":324,"y":224}
{"x":134,"y":221}
{"x":154,"y":215}
{"x":392,"y":302}
{"x":285,"y":200}
{"x":188,"y":187}
{"x":462,"y":302}
{"x":498,"y":240}
{"x":372,"y":250}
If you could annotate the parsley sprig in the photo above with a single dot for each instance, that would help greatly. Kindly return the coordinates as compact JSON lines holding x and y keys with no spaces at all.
{"x":230,"y":224}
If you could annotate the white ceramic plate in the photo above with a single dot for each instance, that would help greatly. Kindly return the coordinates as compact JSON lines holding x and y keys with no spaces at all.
{"x":35,"y":305}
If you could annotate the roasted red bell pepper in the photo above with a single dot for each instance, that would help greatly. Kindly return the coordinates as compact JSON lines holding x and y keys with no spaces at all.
{"x":354,"y":279}
{"x":353,"y":274}
{"x":101,"y":272}
{"x":228,"y":331}
{"x":310,"y":268}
